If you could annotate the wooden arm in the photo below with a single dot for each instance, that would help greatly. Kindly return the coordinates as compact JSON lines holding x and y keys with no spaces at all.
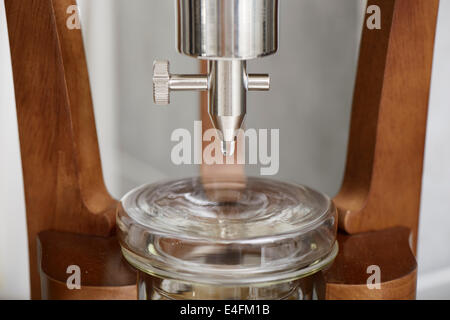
{"x":383,"y":178}
{"x":64,"y":188}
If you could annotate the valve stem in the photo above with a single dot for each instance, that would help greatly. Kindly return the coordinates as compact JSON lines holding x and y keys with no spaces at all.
{"x":227,"y":83}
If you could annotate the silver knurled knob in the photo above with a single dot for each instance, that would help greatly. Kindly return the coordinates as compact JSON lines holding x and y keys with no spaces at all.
{"x":164,"y":82}
{"x":161,"y":82}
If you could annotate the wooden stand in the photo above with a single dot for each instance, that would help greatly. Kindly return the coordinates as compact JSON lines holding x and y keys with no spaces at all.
{"x":71,"y":216}
{"x":383,"y":178}
{"x":64,"y":188}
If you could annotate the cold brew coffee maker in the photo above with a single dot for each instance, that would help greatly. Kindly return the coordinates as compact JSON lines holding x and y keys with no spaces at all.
{"x":208,"y":237}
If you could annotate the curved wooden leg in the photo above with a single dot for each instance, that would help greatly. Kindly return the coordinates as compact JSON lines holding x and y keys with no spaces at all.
{"x":383,"y":179}
{"x":64,"y":188}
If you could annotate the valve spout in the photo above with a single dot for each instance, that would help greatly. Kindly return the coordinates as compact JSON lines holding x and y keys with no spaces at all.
{"x":227,"y":99}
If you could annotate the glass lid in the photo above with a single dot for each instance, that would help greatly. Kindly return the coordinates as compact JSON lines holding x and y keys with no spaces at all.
{"x":227,"y":233}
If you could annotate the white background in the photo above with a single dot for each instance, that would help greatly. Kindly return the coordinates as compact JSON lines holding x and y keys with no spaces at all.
{"x":312,"y":76}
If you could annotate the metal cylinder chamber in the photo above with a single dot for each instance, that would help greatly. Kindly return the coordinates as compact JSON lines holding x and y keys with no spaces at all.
{"x":227,"y":29}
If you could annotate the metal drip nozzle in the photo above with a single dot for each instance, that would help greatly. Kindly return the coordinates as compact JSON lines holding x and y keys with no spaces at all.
{"x":226,"y":34}
{"x":227,"y":83}
{"x":227,"y":100}
{"x":228,"y":147}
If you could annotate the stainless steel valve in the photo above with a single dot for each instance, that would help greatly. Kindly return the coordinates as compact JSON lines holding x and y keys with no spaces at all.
{"x":226,"y":33}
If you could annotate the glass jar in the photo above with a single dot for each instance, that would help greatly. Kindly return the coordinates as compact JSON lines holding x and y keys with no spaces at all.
{"x":259,"y":239}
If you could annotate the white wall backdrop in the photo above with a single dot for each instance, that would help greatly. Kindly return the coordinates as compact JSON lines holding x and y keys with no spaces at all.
{"x":434,"y":228}
{"x":14,"y":279}
{"x":318,"y":48}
